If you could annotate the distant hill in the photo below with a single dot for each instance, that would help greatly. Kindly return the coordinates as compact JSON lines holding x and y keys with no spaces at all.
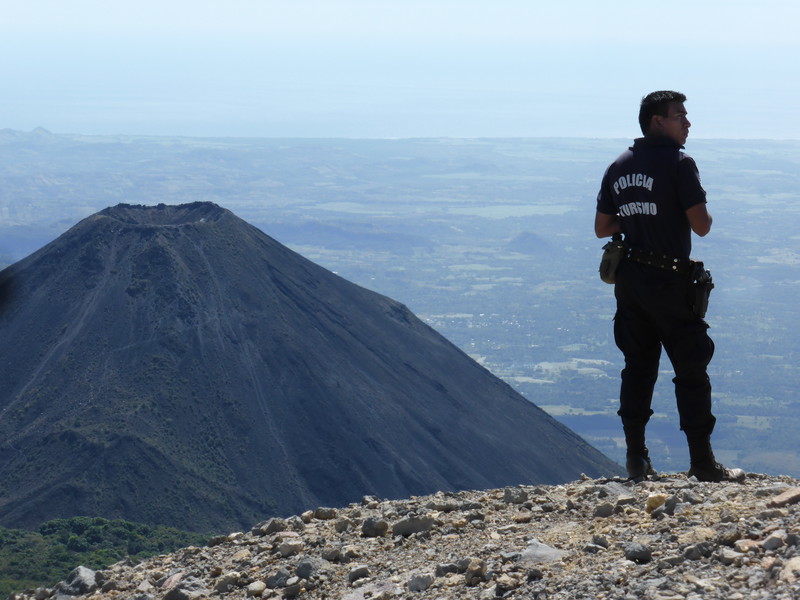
{"x":531,"y":243}
{"x":175,"y":365}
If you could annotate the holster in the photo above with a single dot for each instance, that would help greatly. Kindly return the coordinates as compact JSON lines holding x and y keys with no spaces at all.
{"x":700,"y":289}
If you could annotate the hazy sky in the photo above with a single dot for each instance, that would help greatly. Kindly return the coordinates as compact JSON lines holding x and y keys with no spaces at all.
{"x":410,"y":68}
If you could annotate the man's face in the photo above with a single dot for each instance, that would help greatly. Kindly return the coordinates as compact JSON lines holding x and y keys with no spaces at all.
{"x":675,"y":125}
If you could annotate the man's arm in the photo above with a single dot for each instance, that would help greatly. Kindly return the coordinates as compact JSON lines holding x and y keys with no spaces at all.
{"x":606,"y":225}
{"x":699,"y":219}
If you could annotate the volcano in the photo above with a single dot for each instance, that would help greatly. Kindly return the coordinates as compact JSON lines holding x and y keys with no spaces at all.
{"x":176,"y":365}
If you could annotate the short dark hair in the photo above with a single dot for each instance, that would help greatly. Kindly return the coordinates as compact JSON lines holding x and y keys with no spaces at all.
{"x":656,"y":103}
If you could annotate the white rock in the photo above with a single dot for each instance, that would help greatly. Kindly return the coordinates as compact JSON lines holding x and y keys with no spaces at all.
{"x":537,"y":552}
{"x":419,"y":582}
{"x":791,"y":571}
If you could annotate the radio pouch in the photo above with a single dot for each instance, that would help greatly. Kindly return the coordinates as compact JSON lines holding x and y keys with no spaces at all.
{"x":613,"y":253}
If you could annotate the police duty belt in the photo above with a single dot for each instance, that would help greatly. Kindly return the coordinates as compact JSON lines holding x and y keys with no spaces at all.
{"x":661,"y":261}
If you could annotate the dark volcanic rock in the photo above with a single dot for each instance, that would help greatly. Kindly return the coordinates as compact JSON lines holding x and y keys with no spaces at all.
{"x":174,"y":364}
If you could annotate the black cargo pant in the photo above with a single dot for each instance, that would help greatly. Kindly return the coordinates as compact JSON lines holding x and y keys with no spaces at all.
{"x":653,"y":310}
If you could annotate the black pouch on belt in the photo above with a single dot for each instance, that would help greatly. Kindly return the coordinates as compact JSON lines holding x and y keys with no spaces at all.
{"x":613,"y":253}
{"x":700,"y":289}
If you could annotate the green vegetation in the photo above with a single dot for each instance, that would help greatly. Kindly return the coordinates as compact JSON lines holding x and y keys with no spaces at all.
{"x":30,"y":559}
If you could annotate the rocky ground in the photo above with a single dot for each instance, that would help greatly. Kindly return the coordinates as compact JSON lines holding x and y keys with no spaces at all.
{"x":665,"y":539}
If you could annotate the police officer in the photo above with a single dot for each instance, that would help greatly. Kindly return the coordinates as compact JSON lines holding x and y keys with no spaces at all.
{"x":652,"y":195}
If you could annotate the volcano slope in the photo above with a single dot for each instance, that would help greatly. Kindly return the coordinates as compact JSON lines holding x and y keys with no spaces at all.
{"x":175,"y":365}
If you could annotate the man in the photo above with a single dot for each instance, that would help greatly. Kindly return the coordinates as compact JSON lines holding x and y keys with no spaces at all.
{"x":652,"y":194}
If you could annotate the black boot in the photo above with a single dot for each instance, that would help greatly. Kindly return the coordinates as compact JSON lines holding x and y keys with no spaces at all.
{"x":637,"y":458}
{"x":704,"y":467}
{"x":638,"y":466}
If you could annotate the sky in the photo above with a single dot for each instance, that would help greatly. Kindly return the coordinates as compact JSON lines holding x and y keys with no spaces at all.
{"x":396,"y":69}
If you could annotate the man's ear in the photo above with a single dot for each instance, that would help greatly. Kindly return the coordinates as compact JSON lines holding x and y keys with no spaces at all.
{"x":656,"y":123}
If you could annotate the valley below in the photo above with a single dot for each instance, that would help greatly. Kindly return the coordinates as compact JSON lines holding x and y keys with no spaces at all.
{"x":489,"y":241}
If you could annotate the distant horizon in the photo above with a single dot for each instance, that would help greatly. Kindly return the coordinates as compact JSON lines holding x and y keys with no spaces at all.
{"x":341,"y":137}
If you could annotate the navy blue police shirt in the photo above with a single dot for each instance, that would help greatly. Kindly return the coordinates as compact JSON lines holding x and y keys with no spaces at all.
{"x":651,"y":186}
